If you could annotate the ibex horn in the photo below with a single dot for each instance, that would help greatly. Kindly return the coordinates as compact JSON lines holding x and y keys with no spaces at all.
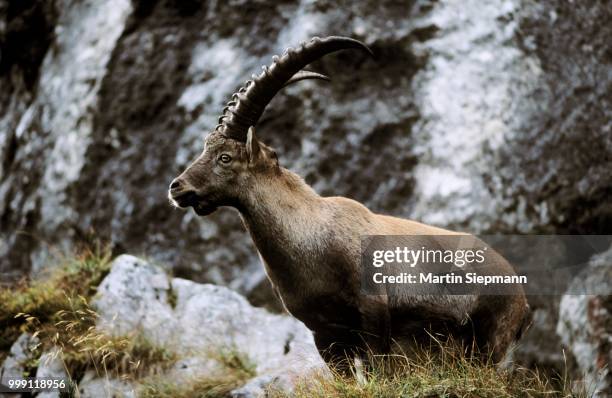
{"x":249,"y":102}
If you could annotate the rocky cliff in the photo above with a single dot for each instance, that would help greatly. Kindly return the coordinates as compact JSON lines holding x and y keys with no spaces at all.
{"x":489,"y":117}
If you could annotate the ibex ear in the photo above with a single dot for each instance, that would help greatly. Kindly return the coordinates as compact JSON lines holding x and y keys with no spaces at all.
{"x":253,"y":147}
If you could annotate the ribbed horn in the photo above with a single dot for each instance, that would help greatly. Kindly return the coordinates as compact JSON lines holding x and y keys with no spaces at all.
{"x":248,"y":103}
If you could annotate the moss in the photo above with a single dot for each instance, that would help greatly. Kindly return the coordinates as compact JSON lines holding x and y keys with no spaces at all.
{"x":202,"y":387}
{"x":172,"y":298}
{"x":236,"y":361}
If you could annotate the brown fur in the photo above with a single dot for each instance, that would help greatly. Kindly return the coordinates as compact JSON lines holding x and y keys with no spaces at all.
{"x":310,"y":247}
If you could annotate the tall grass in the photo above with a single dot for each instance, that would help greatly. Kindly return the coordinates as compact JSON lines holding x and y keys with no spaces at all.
{"x":57,"y":311}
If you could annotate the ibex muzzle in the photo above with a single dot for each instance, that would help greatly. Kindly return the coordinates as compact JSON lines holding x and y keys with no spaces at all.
{"x":310,"y":244}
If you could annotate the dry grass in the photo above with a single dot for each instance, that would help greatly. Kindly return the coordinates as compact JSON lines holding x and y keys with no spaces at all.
{"x":56,"y":310}
{"x":237,"y":370}
{"x":23,"y":308}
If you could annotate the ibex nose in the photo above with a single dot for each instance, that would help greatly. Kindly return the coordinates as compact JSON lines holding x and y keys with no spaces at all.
{"x":175,"y":184}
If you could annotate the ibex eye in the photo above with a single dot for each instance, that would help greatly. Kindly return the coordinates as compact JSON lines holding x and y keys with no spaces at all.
{"x":225,"y":158}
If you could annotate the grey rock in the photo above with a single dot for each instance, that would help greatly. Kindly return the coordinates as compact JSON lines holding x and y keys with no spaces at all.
{"x":24,"y":349}
{"x":254,"y":388}
{"x":585,"y":327}
{"x":200,"y":322}
{"x":189,"y":368}
{"x":50,"y":365}
{"x":134,"y":297}
{"x":93,"y":386}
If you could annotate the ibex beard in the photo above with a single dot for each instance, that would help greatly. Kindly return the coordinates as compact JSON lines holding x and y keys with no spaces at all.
{"x":310,"y":245}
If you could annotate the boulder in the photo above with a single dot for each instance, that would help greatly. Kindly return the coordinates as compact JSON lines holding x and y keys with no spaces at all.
{"x":201,"y":323}
{"x":94,"y":386}
{"x":50,"y":365}
{"x":23,"y":352}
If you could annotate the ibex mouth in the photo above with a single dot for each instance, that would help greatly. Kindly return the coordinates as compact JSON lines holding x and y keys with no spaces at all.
{"x":192,"y":199}
{"x":184,"y":199}
{"x":204,"y":209}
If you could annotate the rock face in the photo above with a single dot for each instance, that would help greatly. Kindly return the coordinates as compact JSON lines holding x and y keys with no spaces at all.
{"x":200,"y":321}
{"x":489,"y":117}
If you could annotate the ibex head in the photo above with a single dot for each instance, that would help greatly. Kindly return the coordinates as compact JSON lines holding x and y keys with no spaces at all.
{"x":232,"y":155}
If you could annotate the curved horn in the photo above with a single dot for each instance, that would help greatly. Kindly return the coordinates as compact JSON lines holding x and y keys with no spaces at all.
{"x":247,"y":105}
{"x":306,"y":74}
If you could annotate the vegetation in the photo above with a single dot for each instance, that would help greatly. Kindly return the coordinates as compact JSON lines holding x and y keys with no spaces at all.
{"x":237,"y":369}
{"x":57,"y":311}
{"x":41,"y":303}
{"x":448,"y":372}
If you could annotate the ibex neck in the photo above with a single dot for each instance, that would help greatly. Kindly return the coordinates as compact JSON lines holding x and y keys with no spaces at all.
{"x":282,"y":214}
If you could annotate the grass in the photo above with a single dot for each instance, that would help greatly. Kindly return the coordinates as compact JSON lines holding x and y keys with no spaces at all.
{"x":83,"y":347}
{"x":56,"y":310}
{"x":39,"y":302}
{"x":450,"y":373}
{"x":237,"y":370}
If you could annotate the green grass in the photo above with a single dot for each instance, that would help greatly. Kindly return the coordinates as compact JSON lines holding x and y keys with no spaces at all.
{"x":32,"y":303}
{"x":56,"y":310}
{"x":448,"y":373}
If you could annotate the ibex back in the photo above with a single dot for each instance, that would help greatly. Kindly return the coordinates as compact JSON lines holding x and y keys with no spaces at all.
{"x":310,"y":245}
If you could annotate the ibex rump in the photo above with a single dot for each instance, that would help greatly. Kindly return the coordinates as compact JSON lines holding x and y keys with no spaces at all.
{"x":310,"y":245}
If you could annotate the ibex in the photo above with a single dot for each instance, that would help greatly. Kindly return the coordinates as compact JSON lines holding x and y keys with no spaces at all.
{"x":310,"y":245}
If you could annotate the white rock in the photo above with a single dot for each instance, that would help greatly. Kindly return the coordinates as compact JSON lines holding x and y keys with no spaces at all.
{"x":22,"y":350}
{"x":254,"y":388}
{"x":200,"y":322}
{"x":134,"y":297}
{"x":92,"y":386}
{"x":50,"y":365}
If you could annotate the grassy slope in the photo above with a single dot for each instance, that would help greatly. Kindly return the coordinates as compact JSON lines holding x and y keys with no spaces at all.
{"x":57,"y":311}
{"x":451,"y":374}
